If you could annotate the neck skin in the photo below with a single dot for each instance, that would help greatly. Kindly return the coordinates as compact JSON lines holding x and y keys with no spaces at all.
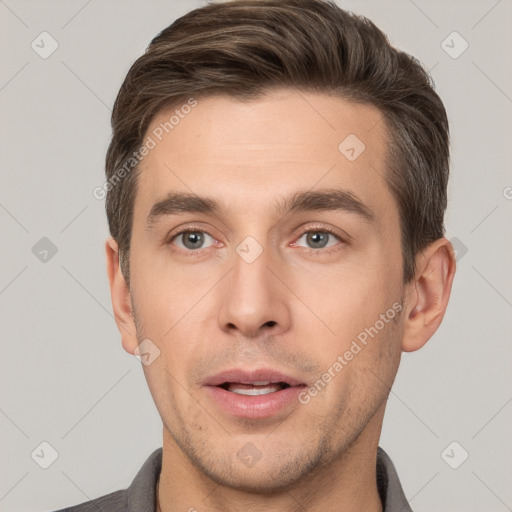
{"x":347,"y":484}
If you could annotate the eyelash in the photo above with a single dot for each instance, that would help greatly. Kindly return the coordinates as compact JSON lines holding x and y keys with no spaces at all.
{"x":321,"y":229}
{"x":314,"y":229}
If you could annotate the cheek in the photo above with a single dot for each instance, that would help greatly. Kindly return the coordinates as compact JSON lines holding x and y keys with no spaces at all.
{"x":168,"y":293}
{"x":344,"y":301}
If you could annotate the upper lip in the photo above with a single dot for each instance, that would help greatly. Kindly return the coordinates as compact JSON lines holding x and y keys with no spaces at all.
{"x":250,"y":377}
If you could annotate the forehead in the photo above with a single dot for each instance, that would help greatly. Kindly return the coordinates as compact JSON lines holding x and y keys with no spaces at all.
{"x":246,"y":154}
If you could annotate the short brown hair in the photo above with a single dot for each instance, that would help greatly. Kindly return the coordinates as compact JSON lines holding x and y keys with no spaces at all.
{"x":243,"y":48}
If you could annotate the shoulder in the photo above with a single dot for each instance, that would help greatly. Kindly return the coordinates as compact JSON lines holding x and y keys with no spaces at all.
{"x":113,"y":502}
{"x":389,"y":486}
{"x":140,"y":496}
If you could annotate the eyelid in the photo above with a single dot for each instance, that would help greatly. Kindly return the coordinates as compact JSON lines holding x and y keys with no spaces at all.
{"x":322,"y":228}
{"x":170,"y":238}
{"x":343,"y":238}
{"x":193,"y":226}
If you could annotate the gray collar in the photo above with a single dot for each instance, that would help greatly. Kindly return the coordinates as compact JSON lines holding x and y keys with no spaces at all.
{"x":141,"y":495}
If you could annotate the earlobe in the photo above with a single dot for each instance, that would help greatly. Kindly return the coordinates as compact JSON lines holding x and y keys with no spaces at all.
{"x":120,"y":296}
{"x":429,"y":294}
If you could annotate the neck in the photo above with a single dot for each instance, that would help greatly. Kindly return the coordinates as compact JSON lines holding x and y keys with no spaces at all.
{"x":346,"y":484}
{"x":158,"y":509}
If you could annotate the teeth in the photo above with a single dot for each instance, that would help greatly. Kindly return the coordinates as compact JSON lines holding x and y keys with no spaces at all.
{"x":252,"y":390}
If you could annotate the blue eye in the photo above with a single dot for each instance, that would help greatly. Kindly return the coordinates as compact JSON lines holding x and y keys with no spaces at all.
{"x":192,"y":240}
{"x":319,"y":238}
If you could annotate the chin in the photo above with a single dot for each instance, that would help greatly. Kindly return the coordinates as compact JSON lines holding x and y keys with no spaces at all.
{"x":265,"y":476}
{"x":258,"y":481}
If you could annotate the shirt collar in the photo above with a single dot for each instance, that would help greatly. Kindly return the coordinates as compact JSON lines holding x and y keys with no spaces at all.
{"x":141,"y":495}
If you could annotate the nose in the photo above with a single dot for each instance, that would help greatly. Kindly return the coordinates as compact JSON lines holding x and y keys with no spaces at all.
{"x":254,"y":301}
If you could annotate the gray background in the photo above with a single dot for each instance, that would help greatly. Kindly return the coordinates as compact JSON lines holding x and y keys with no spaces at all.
{"x":65,"y":378}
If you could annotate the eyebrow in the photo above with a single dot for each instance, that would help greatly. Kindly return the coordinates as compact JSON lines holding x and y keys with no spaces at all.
{"x":176,"y":203}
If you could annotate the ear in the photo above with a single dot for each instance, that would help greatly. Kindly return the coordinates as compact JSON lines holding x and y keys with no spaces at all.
{"x":428,"y":294}
{"x":121,"y":299}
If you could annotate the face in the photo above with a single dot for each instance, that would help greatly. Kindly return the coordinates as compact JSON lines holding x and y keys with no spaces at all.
{"x":284,"y":267}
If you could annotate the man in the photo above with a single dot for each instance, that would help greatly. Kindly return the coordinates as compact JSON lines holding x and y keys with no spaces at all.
{"x":276,"y":187}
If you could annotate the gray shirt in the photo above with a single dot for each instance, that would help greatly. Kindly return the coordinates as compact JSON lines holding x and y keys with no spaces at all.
{"x":141,"y":495}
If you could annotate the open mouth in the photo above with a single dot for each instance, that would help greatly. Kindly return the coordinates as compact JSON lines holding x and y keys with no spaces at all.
{"x":253,"y":394}
{"x":255,"y":388}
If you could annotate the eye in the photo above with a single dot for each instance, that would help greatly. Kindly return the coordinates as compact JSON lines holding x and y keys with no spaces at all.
{"x":191,"y":240}
{"x":319,"y":238}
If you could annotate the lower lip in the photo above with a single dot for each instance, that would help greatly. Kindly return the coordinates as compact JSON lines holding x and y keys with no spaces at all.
{"x":254,"y":406}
